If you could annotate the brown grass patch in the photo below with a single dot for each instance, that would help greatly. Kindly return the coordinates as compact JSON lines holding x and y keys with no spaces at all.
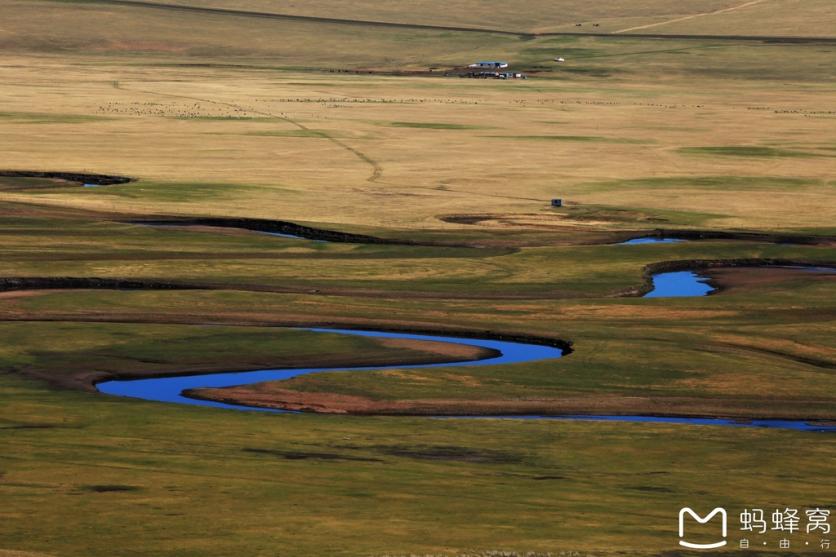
{"x":752,"y":277}
{"x":270,"y":396}
{"x":21,"y":294}
{"x":458,"y":352}
{"x":641,"y":312}
{"x":777,"y":345}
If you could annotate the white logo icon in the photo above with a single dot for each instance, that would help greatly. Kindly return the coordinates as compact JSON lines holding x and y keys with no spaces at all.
{"x":687,"y":510}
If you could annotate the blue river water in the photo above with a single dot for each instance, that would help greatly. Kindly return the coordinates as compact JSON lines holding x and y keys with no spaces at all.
{"x":679,"y":284}
{"x":690,"y":284}
{"x":170,"y":389}
{"x":665,"y":285}
{"x":285,"y":235}
{"x":650,"y":240}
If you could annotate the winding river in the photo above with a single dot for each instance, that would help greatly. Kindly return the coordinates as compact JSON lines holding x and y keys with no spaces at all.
{"x":669,"y":284}
{"x":170,"y":389}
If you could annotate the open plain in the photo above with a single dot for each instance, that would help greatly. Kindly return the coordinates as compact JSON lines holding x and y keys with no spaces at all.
{"x":423,"y":202}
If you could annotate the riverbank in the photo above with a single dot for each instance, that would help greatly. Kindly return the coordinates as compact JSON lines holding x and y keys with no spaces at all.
{"x":272,"y":395}
{"x":267,"y":389}
{"x":142,"y":471}
{"x":278,"y":350}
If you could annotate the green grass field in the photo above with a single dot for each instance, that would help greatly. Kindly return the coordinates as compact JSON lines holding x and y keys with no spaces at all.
{"x":342,"y":126}
{"x":142,"y":479}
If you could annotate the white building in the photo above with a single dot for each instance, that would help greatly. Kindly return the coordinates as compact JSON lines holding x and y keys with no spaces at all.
{"x":493,"y":64}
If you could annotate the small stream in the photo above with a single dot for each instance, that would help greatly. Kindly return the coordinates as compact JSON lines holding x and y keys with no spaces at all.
{"x":170,"y":389}
{"x":677,"y":284}
{"x":650,"y":240}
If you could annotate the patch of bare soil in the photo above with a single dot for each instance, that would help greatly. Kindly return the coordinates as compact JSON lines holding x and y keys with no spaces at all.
{"x":534,"y":221}
{"x":271,"y":396}
{"x":736,"y":278}
{"x":442,"y":351}
{"x":570,"y":217}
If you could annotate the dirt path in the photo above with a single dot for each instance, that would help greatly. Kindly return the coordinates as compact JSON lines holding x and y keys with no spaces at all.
{"x":377,"y":170}
{"x":692,"y":16}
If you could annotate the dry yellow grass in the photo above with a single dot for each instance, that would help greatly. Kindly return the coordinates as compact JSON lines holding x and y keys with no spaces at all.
{"x":803,"y":18}
{"x":760,"y":17}
{"x":236,"y":115}
{"x":228,"y":101}
{"x":508,"y":148}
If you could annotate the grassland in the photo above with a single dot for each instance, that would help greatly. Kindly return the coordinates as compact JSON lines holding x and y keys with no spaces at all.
{"x":344,"y":127}
{"x":712,"y":17}
{"x":142,"y":479}
{"x":243,"y":93}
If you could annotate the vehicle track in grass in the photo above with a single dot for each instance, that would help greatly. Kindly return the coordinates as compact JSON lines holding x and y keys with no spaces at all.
{"x":691,"y":16}
{"x":376,"y":168}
